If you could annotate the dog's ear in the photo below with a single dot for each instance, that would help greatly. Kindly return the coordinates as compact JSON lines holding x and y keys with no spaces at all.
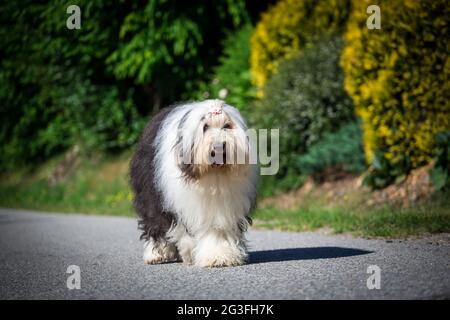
{"x":190,"y":171}
{"x":185,"y":159}
{"x":177,"y":149}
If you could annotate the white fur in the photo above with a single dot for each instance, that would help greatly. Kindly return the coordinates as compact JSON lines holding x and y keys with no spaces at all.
{"x":163,"y":252}
{"x":210,"y":209}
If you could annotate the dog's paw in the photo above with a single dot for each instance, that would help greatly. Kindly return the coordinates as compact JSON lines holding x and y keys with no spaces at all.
{"x":160,"y":254}
{"x":221,"y":257}
{"x":218,"y":262}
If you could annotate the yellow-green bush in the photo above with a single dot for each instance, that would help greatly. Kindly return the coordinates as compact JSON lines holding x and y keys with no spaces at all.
{"x":289,"y":26}
{"x":399,"y":77}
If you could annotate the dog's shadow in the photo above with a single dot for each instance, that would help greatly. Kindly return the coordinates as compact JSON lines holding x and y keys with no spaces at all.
{"x":290,"y":254}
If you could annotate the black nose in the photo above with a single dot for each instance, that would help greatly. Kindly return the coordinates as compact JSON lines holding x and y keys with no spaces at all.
{"x":219,"y":150}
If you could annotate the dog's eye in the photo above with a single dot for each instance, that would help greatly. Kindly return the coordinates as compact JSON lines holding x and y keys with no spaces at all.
{"x":205,"y":127}
{"x":227,"y":126}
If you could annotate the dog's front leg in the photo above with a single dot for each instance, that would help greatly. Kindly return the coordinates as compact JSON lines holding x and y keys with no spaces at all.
{"x":156,"y":252}
{"x":217,"y":248}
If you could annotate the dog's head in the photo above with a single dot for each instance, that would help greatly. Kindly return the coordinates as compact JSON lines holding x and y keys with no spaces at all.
{"x":211,"y":139}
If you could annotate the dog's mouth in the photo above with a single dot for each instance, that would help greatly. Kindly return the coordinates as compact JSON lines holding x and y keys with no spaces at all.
{"x":218,"y":165}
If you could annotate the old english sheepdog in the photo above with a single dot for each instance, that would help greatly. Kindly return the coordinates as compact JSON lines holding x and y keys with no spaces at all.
{"x":194,"y":185}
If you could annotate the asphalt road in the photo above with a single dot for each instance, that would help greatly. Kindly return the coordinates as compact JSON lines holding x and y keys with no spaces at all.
{"x":37,"y":248}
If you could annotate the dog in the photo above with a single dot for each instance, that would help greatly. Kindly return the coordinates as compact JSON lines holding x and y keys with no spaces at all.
{"x":193,"y":185}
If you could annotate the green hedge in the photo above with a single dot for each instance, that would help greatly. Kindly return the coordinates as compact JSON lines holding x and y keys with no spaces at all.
{"x":398,"y":78}
{"x":341,"y":150}
{"x":96,"y":86}
{"x":232,"y":75}
{"x":287,"y":27}
{"x":305,"y":99}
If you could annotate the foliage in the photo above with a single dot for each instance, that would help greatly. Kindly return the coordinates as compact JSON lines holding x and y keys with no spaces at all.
{"x":304,"y":100}
{"x":53,"y":89}
{"x":232,"y":75}
{"x":398,"y":78}
{"x":96,"y":86}
{"x":288,"y":27}
{"x":440,"y":175}
{"x":278,"y":184}
{"x":342,"y":149}
{"x":98,"y":186}
{"x":171,"y":44}
{"x":382,"y":172}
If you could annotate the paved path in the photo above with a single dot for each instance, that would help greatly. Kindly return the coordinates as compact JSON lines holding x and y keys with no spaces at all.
{"x":37,"y":248}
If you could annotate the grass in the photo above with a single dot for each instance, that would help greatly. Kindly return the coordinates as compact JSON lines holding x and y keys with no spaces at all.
{"x":97,"y":187}
{"x":431,"y":216}
{"x":100,"y":186}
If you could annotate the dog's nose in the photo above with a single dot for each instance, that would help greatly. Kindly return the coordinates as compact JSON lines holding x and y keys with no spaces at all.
{"x":218,"y":152}
{"x":218,"y":147}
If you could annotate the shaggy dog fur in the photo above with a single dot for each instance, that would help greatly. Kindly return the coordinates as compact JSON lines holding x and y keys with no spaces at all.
{"x":194,"y":186}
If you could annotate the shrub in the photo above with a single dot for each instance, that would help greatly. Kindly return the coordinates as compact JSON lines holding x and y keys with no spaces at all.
{"x":77,"y":112}
{"x":114,"y":124}
{"x":440,"y":174}
{"x":341,"y":149}
{"x":233,"y":73}
{"x":304,"y":100}
{"x":95,"y":85}
{"x":288,"y":27}
{"x":383,"y":173}
{"x":172,"y":44}
{"x":398,"y":78}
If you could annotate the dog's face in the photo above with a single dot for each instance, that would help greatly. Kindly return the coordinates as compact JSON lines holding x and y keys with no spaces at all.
{"x":215,"y":140}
